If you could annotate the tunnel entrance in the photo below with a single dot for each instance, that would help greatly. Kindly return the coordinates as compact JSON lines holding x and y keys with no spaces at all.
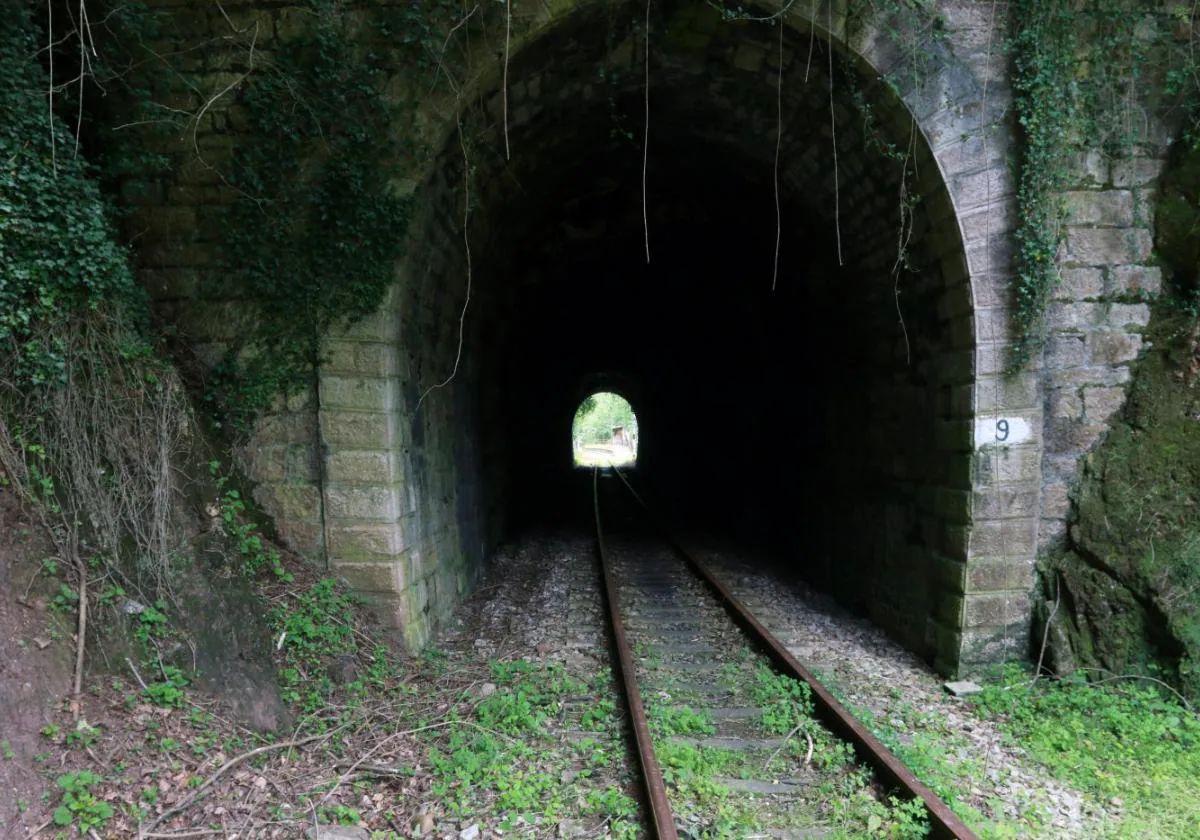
{"x":604,"y":432}
{"x":780,"y":238}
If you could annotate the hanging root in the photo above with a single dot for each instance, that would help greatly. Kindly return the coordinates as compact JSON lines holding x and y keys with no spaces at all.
{"x":778,"y":143}
{"x":837,"y":221}
{"x":646,"y":138}
{"x":462,"y":318}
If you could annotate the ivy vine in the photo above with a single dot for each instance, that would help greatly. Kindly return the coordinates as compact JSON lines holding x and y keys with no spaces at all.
{"x":315,"y":234}
{"x":318,"y":227}
{"x":59,"y":253}
{"x":1079,"y":74}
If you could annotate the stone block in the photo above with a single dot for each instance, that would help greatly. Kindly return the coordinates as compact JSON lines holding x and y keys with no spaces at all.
{"x":1107,"y":246}
{"x":999,"y":393}
{"x":1079,"y":377}
{"x":988,"y":645}
{"x":976,"y":189}
{"x":996,"y":609}
{"x":1004,"y":503}
{"x":357,"y":392}
{"x":289,"y":502}
{"x":354,"y":466}
{"x":1002,"y":575}
{"x":1074,"y":316}
{"x":948,"y":609}
{"x":1136,"y":171}
{"x":947,"y":575}
{"x":1093,"y":166}
{"x":370,"y":503}
{"x":1056,"y":500}
{"x":360,"y":357}
{"x":1136,"y":279}
{"x":1071,"y":436}
{"x":1101,"y":403}
{"x":991,"y":256}
{"x":285,"y":427}
{"x":1112,"y":208}
{"x":996,"y":539}
{"x":267,"y":464}
{"x":1112,"y":347}
{"x":1128,"y":315}
{"x":370,"y":577}
{"x":1064,"y":403}
{"x":1078,"y":284}
{"x":358,"y":429}
{"x":305,"y":538}
{"x":1065,"y":351}
{"x":351,"y":543}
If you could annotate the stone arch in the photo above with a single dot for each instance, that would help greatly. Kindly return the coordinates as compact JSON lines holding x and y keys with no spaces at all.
{"x":412,"y":498}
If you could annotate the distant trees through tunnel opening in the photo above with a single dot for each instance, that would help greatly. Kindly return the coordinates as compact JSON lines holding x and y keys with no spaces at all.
{"x":604,"y":432}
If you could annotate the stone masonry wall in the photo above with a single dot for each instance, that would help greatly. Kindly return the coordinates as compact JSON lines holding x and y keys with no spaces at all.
{"x":398,"y":501}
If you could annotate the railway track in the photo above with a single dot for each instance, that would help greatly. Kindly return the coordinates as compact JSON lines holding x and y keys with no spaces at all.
{"x":716,"y":703}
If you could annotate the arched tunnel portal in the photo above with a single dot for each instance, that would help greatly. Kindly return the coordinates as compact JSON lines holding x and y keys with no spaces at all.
{"x":808,"y":349}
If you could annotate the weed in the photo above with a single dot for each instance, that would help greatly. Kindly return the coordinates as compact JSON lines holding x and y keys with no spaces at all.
{"x":1127,"y":743}
{"x":80,"y":807}
{"x":168,"y":691}
{"x":83,"y":735}
{"x":253,"y":551}
{"x":340,"y":815}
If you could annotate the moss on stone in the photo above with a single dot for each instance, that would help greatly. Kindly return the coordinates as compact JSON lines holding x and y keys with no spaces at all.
{"x":1129,"y":577}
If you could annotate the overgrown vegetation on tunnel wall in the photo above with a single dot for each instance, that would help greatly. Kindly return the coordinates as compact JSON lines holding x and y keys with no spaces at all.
{"x":1123,"y":596}
{"x":1077,"y":69}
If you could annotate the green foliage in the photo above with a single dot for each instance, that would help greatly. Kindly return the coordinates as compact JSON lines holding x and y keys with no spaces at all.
{"x":1045,"y":50}
{"x":318,"y":227}
{"x":1075,"y":68}
{"x":168,"y":691}
{"x":80,"y":807}
{"x":786,"y":703}
{"x":1127,"y":742}
{"x":340,"y":815}
{"x":667,"y":721}
{"x":58,"y":248}
{"x":315,"y":626}
{"x":251,"y":548}
{"x":494,"y":754}
{"x":598,"y":415}
{"x":83,"y":735}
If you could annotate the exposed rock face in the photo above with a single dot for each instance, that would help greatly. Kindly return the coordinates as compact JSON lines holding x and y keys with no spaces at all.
{"x":1127,"y":586}
{"x":233,"y":649}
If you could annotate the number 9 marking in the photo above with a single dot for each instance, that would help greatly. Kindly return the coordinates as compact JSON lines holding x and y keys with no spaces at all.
{"x":1001,"y":430}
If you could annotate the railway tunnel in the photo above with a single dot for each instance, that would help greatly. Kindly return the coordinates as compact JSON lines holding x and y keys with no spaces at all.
{"x":799,"y":346}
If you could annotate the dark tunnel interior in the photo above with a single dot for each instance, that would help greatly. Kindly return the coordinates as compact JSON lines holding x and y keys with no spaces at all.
{"x":805,"y":410}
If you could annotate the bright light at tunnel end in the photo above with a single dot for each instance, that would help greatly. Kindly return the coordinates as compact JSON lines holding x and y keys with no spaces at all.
{"x":604,"y":432}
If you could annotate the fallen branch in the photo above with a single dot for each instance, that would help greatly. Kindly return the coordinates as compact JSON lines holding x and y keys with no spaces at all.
{"x":221,"y":771}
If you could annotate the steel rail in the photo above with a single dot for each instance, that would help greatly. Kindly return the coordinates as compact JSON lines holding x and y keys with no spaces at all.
{"x":944,"y":822}
{"x":656,"y":790}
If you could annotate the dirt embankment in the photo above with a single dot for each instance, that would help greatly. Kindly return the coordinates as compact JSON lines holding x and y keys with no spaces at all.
{"x":36,"y":660}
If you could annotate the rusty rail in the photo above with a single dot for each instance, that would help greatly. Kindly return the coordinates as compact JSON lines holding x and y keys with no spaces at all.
{"x":656,"y":790}
{"x":944,"y":822}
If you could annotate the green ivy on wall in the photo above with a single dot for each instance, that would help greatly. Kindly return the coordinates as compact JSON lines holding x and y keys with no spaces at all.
{"x":58,"y":249}
{"x":313,"y":239}
{"x":1044,"y":48}
{"x":1082,"y":74}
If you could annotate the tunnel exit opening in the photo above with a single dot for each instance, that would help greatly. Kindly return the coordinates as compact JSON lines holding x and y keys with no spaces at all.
{"x":604,"y":432}
{"x":810,"y":372}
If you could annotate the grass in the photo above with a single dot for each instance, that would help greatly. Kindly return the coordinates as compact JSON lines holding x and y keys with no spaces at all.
{"x":1125,"y":744}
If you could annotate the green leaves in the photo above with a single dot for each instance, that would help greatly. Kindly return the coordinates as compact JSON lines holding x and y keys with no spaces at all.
{"x":58,"y":248}
{"x":80,"y":807}
{"x":318,"y":229}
